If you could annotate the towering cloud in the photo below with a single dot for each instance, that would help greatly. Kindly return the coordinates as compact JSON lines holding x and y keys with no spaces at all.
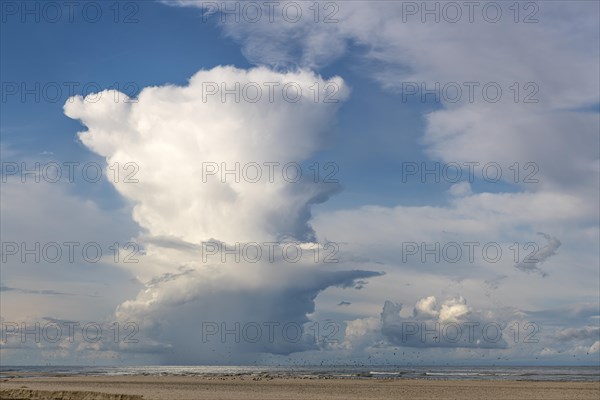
{"x":186,"y":141}
{"x":219,"y":167}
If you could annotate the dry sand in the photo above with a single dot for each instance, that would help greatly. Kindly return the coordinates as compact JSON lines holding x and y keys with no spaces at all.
{"x":250,"y":388}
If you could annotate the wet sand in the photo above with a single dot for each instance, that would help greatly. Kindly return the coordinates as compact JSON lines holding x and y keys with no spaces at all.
{"x":250,"y":388}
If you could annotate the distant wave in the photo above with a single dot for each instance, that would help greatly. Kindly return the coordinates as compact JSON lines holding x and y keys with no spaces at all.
{"x":342,"y":372}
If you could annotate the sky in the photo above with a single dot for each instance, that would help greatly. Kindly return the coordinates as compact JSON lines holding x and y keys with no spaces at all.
{"x":300,"y":183}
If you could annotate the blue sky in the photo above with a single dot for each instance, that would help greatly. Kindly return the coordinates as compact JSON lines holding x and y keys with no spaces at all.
{"x":371,"y":134}
{"x":139,"y":55}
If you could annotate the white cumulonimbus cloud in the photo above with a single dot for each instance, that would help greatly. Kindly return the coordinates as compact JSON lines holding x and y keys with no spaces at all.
{"x":181,"y":140}
{"x":184,"y":140}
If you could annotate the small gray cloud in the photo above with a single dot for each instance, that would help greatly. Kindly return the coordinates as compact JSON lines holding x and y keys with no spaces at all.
{"x":494,"y":283}
{"x":49,"y":292}
{"x":168,"y":242}
{"x":166,"y":277}
{"x":360,"y":284}
{"x":531,"y":264}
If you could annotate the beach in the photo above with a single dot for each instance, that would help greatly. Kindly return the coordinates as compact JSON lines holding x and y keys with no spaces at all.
{"x":266,"y":387}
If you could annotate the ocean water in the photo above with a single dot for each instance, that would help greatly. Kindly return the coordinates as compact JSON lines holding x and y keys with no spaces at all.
{"x":537,"y":373}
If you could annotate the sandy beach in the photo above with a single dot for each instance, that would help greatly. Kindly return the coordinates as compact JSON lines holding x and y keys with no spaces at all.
{"x":249,"y":388}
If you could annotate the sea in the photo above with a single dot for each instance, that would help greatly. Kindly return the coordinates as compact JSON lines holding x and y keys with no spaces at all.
{"x":522,"y":373}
